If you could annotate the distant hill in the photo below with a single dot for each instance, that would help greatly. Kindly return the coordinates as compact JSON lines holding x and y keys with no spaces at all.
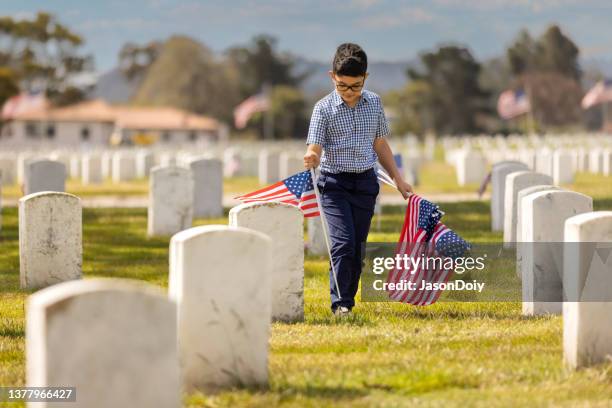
{"x":384,"y":76}
{"x":113,"y":87}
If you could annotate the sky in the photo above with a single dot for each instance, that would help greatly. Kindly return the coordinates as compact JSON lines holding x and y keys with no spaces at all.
{"x":388,"y":30}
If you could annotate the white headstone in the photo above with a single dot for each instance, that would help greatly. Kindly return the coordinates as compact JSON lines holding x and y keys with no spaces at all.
{"x":471,"y":167}
{"x":544,"y":215}
{"x":519,"y":221}
{"x":145,"y":161}
{"x":283,"y":223}
{"x":563,"y":167}
{"x":607,"y":162}
{"x":595,"y":161}
{"x":75,"y":166}
{"x":289,"y":164}
{"x":316,"y":237}
{"x":498,"y":187}
{"x":269,"y":171}
{"x":91,"y":169}
{"x":44,"y":175}
{"x":8,"y":166}
{"x":114,"y":340}
{"x":124,"y":167}
{"x":515,"y":182}
{"x":107,"y":165}
{"x":50,"y":239}
{"x":170,"y":207}
{"x":587,"y":277}
{"x":544,"y":161}
{"x":220,"y":278}
{"x":208,"y":187}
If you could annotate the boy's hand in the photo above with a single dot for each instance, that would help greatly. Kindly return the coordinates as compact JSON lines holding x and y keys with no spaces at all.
{"x":311,"y":160}
{"x":404,"y":188}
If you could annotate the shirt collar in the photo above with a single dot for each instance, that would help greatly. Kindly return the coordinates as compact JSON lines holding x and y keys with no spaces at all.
{"x":339,"y":101}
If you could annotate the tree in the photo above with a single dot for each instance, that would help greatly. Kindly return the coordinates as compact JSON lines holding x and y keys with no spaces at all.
{"x":186,"y":75}
{"x":558,"y":53}
{"x":134,"y":59}
{"x":555,"y":98}
{"x":455,"y":97}
{"x":260,"y":63}
{"x":288,"y":111}
{"x":552,"y":52}
{"x":410,"y":105}
{"x":42,"y":52}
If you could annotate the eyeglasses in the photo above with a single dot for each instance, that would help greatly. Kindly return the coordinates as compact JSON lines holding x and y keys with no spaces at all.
{"x":354,"y":88}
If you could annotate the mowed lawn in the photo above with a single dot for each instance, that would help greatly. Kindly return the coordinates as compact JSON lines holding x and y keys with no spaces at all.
{"x":448,"y":354}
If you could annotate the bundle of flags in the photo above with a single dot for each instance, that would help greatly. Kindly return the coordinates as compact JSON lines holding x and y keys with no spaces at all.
{"x":424,"y":236}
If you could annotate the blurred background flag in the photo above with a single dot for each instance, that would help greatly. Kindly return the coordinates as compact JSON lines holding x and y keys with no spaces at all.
{"x":23,"y":102}
{"x":253,"y":104}
{"x":513,"y":103}
{"x":600,"y":93}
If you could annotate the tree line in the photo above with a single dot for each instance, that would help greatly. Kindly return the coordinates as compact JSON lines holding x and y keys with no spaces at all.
{"x":447,"y":92}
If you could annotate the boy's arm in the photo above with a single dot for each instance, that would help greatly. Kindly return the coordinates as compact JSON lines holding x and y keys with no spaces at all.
{"x":312,"y":156}
{"x":385,"y":157}
{"x":317,"y":131}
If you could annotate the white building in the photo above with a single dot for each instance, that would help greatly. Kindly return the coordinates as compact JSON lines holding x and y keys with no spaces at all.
{"x":96,"y":123}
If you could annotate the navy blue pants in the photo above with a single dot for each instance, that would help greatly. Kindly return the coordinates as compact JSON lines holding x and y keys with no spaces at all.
{"x":348,"y":201}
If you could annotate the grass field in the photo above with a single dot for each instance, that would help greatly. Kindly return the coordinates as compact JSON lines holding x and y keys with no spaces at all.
{"x":448,"y":354}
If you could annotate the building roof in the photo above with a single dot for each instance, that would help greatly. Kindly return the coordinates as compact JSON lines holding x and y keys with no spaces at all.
{"x":125,"y":117}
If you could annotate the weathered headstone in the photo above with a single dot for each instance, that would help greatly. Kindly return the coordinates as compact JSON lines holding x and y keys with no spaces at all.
{"x":587,"y":279}
{"x":44,"y":175}
{"x":515,"y":182}
{"x":208,"y":187}
{"x":220,"y":277}
{"x":544,"y":215}
{"x":170,"y":207}
{"x":50,"y":239}
{"x":114,"y":340}
{"x":283,"y":223}
{"x":498,"y":186}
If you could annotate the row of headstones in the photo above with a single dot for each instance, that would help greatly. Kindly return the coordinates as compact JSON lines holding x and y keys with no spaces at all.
{"x":122,"y":343}
{"x":561,"y":165}
{"x":551,"y":228}
{"x":499,"y":142}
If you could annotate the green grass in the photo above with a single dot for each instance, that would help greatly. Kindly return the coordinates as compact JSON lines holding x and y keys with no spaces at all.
{"x":137,"y":187}
{"x":388,"y":354}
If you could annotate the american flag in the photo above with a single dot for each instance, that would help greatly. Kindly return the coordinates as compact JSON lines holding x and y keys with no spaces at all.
{"x":23,"y":102}
{"x":296,"y":190}
{"x":423,"y":236}
{"x":246,"y":109}
{"x":600,"y":93}
{"x":513,"y":103}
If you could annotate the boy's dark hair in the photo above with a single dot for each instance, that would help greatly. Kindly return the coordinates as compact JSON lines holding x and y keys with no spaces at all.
{"x":350,"y":60}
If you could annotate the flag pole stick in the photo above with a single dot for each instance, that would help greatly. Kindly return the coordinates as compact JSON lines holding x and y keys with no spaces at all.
{"x":325,"y":229}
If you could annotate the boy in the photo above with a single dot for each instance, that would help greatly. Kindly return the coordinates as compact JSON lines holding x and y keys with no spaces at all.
{"x":348,"y":127}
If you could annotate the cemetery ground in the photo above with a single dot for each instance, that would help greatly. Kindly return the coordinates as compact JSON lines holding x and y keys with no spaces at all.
{"x":387,"y":354}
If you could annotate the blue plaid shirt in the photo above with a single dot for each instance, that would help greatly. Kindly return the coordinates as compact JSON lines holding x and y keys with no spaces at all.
{"x":347,"y":134}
